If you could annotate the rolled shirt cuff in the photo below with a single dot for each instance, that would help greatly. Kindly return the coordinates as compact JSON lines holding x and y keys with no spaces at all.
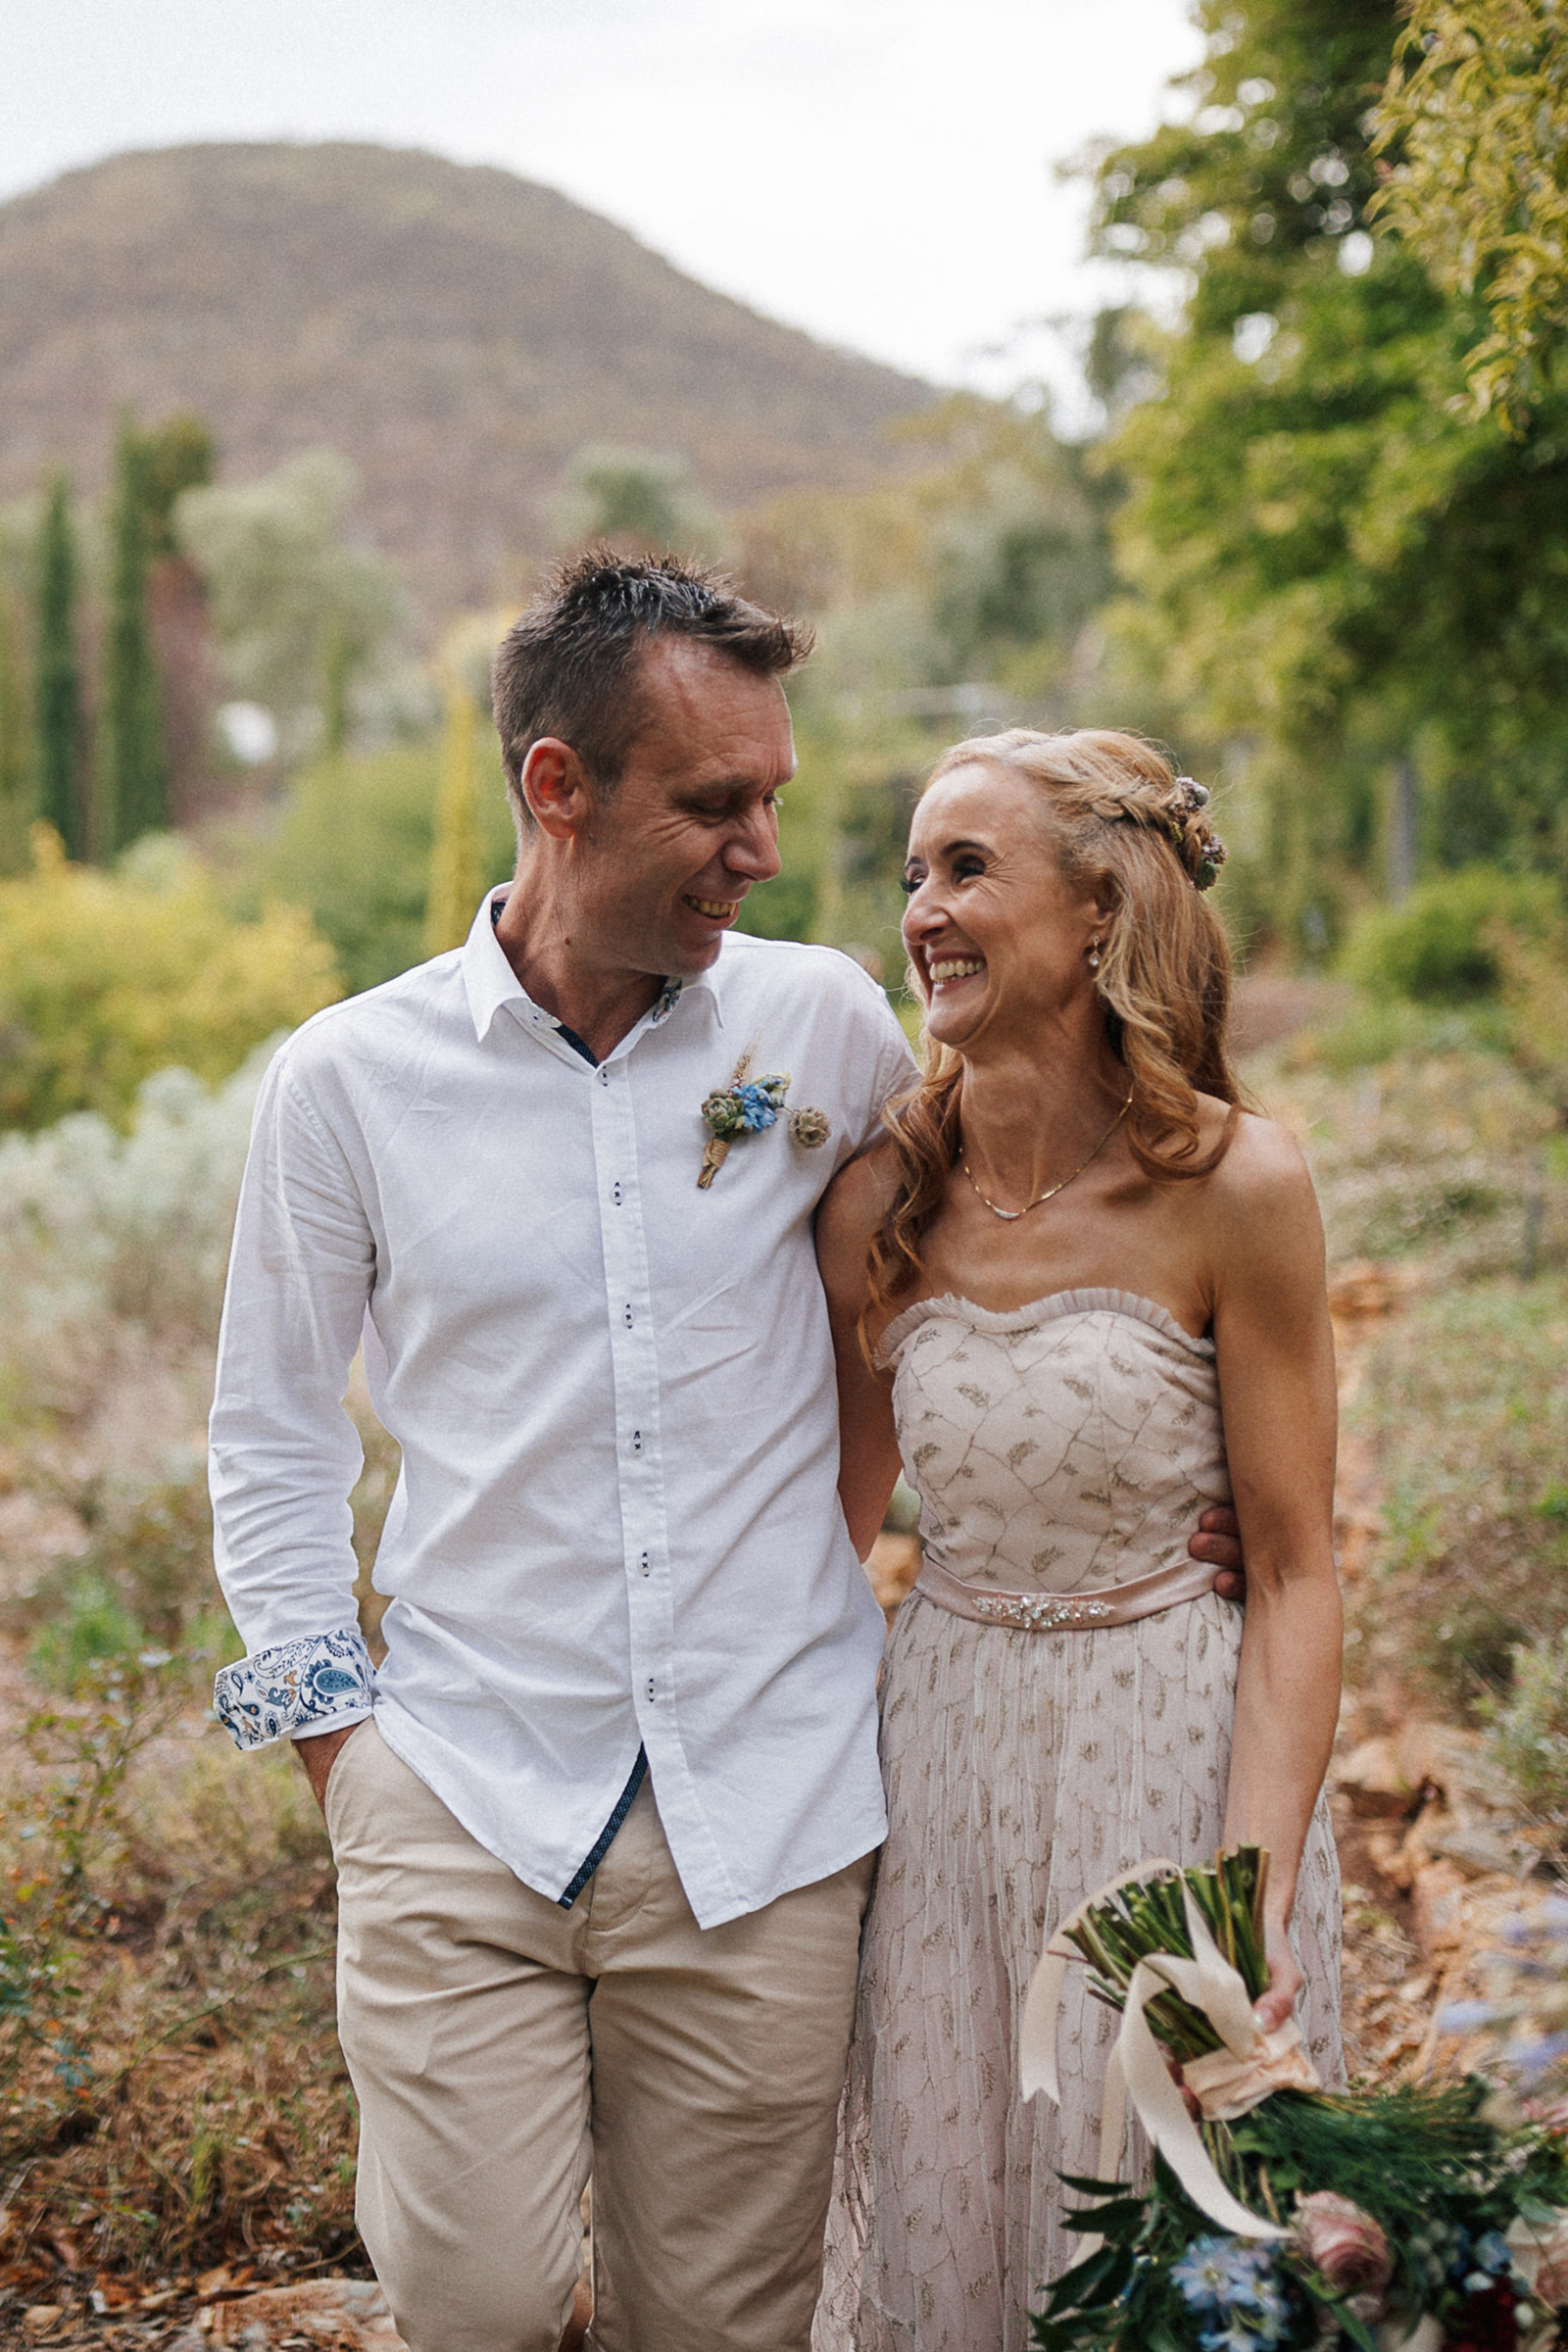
{"x":321,"y":1684}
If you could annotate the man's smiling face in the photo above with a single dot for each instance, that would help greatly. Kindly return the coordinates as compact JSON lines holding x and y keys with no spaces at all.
{"x":692,"y":823}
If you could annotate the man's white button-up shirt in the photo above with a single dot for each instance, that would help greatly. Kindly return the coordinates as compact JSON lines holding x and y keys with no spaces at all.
{"x":617,"y":1525}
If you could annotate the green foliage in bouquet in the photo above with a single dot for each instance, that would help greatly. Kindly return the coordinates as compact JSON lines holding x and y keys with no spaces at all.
{"x":1396,"y":2204}
{"x":1148,"y":1915}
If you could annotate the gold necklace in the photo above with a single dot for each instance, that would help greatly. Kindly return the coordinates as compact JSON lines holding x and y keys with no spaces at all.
{"x":1010,"y":1216}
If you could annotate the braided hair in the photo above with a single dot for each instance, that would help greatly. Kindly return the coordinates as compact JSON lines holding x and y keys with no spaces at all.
{"x":1131,"y":830}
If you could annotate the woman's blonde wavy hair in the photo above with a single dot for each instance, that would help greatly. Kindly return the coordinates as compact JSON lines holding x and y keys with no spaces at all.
{"x":1129,"y":831}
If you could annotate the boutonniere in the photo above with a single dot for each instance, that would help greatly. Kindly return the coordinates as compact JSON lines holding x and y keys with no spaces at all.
{"x":747,"y":1107}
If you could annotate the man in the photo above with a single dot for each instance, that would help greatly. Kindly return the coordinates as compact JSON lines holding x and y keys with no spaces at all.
{"x":603,"y":1849}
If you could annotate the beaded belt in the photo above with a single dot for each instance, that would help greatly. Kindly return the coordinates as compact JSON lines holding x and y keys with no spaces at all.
{"x":1068,"y":1612}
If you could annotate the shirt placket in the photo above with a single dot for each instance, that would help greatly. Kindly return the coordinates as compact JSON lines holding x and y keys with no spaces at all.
{"x":634,"y":1362}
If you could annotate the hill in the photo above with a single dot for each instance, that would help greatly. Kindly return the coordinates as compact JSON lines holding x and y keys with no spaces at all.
{"x":456,"y":331}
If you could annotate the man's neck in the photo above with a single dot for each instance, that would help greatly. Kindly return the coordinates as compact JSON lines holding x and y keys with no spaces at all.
{"x":603,"y":1005}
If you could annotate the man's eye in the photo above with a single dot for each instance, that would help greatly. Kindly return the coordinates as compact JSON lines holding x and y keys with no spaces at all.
{"x":966,"y":869}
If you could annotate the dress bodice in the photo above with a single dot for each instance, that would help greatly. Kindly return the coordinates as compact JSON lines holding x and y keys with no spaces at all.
{"x":1060,"y":1445}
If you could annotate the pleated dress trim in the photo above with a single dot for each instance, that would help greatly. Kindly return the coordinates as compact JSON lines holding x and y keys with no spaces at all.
{"x":1054,"y":1307}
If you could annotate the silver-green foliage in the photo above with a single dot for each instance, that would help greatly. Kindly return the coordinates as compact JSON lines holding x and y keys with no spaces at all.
{"x":109,"y":1240}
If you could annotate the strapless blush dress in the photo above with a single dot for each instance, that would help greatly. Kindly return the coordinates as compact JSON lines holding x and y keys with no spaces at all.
{"x":1060,"y":1449}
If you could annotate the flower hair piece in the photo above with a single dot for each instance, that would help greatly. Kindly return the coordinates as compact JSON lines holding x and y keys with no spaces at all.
{"x":1210,"y":850}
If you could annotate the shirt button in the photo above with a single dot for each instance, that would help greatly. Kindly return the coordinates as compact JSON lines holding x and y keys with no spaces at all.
{"x":650,"y":1690}
{"x":616,"y":1196}
{"x":628,"y":1315}
{"x":603,"y":1075}
{"x":636,"y":1441}
{"x":643,"y":1563}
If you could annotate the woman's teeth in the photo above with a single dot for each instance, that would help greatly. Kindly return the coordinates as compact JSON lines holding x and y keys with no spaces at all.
{"x":718,"y":910}
{"x":956,"y":967}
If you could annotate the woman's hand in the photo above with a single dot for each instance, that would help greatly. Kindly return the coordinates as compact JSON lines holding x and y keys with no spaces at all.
{"x":1274,"y":2003}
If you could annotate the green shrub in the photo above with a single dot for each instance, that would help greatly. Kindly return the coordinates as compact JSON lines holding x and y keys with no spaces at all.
{"x":106,"y":978}
{"x":353,"y":844}
{"x":1462,"y":1403}
{"x":1530,"y":1727}
{"x":1436,"y":948}
{"x":93,"y":1629}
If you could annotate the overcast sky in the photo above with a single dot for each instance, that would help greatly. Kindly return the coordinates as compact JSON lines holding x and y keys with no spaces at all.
{"x":881,"y":172}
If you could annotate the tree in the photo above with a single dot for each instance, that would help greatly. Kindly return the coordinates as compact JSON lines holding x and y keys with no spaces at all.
{"x":58,"y":729}
{"x":1337,"y":569}
{"x":132,"y":782}
{"x":635,"y":500}
{"x":456,"y":853}
{"x":300,"y":615}
{"x":175,"y":456}
{"x":16,"y":794}
{"x":1474,"y":127}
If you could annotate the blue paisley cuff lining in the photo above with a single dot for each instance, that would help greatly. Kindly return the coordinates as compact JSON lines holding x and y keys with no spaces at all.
{"x":315,"y":1684}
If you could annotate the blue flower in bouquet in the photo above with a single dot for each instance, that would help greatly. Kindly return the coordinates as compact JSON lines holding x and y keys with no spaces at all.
{"x":1492,"y":2254}
{"x":1226,"y":2275}
{"x":1244,"y":2331}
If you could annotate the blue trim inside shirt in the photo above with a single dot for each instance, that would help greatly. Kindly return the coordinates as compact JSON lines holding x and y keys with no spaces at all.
{"x":639,"y":1771}
{"x":606,"y":1835}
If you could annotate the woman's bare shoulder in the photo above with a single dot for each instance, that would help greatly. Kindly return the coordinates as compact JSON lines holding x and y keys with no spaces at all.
{"x":1260,"y":1205}
{"x":1263,"y":1161}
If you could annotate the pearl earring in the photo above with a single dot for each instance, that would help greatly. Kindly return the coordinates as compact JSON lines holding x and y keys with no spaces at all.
{"x":1093,"y":955}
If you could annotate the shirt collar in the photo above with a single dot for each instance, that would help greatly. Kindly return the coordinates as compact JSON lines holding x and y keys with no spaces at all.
{"x":489,"y":981}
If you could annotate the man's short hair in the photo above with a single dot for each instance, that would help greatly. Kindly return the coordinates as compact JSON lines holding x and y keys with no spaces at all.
{"x":566,"y":667}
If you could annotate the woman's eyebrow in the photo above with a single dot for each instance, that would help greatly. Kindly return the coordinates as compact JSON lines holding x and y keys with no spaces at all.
{"x":952,"y":848}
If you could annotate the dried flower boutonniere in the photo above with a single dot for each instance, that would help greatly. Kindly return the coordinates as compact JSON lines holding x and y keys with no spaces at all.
{"x":748,"y":1106}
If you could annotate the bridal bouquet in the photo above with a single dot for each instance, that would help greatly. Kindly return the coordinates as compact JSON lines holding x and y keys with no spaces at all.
{"x":1284,"y":2216}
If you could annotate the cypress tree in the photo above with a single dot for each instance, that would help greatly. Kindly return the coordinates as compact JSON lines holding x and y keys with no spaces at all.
{"x":132,"y":772}
{"x":16,"y":781}
{"x":56,"y":674}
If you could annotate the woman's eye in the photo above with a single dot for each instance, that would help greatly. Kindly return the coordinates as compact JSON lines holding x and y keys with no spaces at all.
{"x":910,"y":884}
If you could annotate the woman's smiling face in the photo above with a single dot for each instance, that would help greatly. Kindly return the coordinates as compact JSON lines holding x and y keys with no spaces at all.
{"x":997,"y":935}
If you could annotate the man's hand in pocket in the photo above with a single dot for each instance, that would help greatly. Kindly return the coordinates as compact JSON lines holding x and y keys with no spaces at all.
{"x":319,"y":1754}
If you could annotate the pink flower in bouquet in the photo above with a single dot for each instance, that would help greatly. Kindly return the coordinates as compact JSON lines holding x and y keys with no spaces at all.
{"x":1343,"y":2243}
{"x":1544,"y":2262}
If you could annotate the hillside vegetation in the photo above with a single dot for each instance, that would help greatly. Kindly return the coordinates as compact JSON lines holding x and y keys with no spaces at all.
{"x":459,"y":333}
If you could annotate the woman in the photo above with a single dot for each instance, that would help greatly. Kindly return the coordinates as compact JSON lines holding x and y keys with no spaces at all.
{"x":1071,"y":1252}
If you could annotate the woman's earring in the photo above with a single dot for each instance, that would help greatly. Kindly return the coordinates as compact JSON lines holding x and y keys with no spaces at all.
{"x":1093,"y":955}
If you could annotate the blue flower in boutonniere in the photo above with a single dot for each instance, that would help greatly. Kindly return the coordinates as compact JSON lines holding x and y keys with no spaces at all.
{"x":747,"y":1107}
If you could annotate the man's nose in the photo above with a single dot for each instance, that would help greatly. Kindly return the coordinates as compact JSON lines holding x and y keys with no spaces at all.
{"x":753,"y":852}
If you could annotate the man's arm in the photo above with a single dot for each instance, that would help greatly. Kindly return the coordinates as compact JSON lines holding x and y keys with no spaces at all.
{"x":285,"y":1456}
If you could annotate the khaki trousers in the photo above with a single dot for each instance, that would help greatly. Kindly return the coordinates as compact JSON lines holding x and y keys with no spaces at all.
{"x":499,"y":2045}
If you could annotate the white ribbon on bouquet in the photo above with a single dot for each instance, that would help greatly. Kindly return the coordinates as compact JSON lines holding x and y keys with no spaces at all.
{"x":1226,"y":2082}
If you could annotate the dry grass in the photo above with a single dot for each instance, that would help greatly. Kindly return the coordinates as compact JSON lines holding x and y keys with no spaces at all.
{"x":176,"y":2097}
{"x":1447,"y":1166}
{"x":178,"y":2100}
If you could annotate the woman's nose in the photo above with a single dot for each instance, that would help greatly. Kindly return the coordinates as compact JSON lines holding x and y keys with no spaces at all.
{"x":923,"y":914}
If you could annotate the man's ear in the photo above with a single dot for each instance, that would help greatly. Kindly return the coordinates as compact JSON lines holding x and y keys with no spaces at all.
{"x":556,"y":789}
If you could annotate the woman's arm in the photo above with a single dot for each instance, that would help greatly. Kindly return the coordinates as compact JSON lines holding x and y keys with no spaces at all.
{"x":868,"y":1452}
{"x":1275,"y":1350}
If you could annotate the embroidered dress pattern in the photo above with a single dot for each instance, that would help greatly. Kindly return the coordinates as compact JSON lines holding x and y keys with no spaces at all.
{"x":1060,"y":1451}
{"x":277,"y":1693}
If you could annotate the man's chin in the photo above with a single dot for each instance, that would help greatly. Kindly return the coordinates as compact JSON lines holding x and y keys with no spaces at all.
{"x":695,"y":946}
